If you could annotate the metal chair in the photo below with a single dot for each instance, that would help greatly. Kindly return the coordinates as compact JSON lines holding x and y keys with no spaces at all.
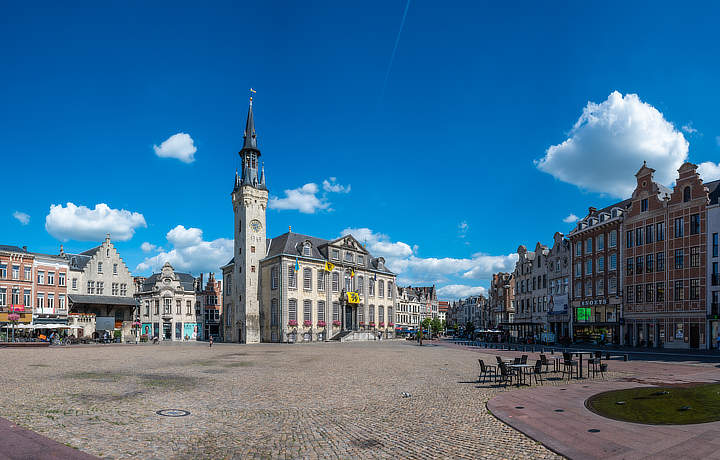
{"x":537,"y":371}
{"x":523,"y":359}
{"x":569,"y":366}
{"x":486,"y":370}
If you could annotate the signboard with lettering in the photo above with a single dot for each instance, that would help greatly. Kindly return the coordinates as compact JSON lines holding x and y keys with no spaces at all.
{"x":584,"y":314}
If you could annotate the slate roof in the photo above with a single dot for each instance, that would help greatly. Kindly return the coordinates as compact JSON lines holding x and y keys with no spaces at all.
{"x":77,"y":261}
{"x":102,"y":299}
{"x":9,"y":248}
{"x":187,"y":281}
{"x":714,"y":191}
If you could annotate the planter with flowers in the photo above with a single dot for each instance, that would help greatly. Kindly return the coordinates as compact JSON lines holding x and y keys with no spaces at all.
{"x":336,"y":323}
{"x":361,"y":323}
{"x":307,"y":323}
{"x":292,"y":323}
{"x":372,"y":323}
{"x":13,"y":318}
{"x":321,"y":324}
{"x":382,"y":324}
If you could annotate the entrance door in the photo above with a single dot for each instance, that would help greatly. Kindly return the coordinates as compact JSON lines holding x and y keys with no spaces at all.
{"x":694,"y":336}
{"x":167,"y":330}
{"x":348,"y":318}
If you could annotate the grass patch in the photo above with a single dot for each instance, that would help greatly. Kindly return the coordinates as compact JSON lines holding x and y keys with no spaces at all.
{"x":660,"y":405}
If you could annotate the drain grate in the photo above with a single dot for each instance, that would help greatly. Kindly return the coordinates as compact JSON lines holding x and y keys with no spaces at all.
{"x":173,"y":413}
{"x":559,"y":410}
{"x":593,"y":430}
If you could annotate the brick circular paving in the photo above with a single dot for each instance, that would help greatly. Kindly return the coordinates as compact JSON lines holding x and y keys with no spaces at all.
{"x":258,"y":401}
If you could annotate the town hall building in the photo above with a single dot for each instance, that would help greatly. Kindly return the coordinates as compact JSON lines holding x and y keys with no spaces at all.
{"x":297,"y":288}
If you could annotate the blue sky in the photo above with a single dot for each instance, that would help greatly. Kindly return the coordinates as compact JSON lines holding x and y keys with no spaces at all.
{"x":445,"y":160}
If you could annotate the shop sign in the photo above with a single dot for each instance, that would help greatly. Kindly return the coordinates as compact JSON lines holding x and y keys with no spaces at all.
{"x":17,"y":308}
{"x":594,"y":302}
{"x":584,"y":314}
{"x":191,"y":331}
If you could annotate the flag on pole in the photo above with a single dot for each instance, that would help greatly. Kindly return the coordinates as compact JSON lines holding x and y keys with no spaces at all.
{"x":352,"y":273}
{"x":329,"y":267}
{"x":375,"y":276}
{"x":297,"y":265}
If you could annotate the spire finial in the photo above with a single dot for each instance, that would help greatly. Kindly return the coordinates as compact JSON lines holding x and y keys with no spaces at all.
{"x":289,"y":228}
{"x":252,"y":91}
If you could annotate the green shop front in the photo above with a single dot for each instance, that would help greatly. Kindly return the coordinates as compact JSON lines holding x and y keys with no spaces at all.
{"x":597,"y":321}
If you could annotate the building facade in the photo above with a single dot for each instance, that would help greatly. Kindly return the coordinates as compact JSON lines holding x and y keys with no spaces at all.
{"x":597,"y":301}
{"x":712,"y":270}
{"x":51,"y":303}
{"x":558,"y":261}
{"x":167,"y":305}
{"x":17,"y":287}
{"x":666,"y":254}
{"x":502,"y":300}
{"x":100,"y":292}
{"x":531,"y":296}
{"x":208,"y":307}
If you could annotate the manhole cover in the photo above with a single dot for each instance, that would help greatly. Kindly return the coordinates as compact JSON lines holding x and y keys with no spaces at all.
{"x":173,"y":413}
{"x":559,"y":410}
{"x":593,"y":430}
{"x":519,"y":407}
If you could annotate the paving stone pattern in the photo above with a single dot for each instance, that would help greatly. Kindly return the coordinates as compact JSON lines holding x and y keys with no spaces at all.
{"x":315,"y":401}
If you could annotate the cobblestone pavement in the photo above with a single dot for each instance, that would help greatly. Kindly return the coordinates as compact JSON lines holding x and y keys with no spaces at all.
{"x":325,"y":400}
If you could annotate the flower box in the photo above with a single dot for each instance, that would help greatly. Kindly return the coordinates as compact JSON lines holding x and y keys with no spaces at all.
{"x":292,"y":322}
{"x":362,"y":323}
{"x":390,"y":325}
{"x":372,"y":324}
{"x":336,"y":323}
{"x":382,"y":324}
{"x":321,"y":324}
{"x":307,"y":323}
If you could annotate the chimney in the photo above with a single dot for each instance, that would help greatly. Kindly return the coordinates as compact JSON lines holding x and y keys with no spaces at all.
{"x":62,"y":251}
{"x":25,"y":248}
{"x":592,"y":210}
{"x":202,"y":275}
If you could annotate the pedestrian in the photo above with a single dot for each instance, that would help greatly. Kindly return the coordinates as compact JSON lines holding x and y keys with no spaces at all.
{"x":211,"y":341}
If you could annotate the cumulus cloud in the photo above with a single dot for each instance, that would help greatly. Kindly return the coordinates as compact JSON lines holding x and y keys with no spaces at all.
{"x":457,"y":291}
{"x":180,"y":146}
{"x":709,"y":171}
{"x":609,"y":142}
{"x":571,"y":218}
{"x":147,"y":247}
{"x":303,"y":199}
{"x":22,"y":217}
{"x":463,"y":228}
{"x":332,"y":186}
{"x":71,"y":222}
{"x":190,"y":252}
{"x":403,"y":260}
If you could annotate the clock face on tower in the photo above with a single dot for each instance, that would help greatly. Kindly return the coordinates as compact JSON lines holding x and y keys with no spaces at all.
{"x":255,"y":225}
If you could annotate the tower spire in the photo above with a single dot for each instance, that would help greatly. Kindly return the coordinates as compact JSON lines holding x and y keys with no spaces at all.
{"x":250,"y":136}
{"x":250,"y":154}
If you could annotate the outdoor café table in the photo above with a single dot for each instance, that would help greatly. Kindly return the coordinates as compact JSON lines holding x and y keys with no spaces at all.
{"x":523,"y":368}
{"x":580,"y":354}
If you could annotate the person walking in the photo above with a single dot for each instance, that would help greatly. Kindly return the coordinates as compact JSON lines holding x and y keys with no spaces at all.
{"x":211,"y":341}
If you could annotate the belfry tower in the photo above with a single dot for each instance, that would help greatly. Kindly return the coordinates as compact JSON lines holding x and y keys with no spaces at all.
{"x":249,"y":199}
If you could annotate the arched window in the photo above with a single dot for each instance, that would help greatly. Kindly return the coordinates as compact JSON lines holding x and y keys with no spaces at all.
{"x":686,"y":194}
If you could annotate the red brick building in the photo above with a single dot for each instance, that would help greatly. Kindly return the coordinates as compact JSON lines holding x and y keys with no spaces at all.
{"x":665,"y":261}
{"x":208,"y":307}
{"x":16,"y":283}
{"x":596,"y":301}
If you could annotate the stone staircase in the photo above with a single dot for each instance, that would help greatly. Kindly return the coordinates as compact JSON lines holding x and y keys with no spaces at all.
{"x":354,"y":336}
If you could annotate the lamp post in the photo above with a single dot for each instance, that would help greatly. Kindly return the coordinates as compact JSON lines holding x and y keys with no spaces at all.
{"x":13,"y":318}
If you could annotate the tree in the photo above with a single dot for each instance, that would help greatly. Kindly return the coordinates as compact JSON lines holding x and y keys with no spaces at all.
{"x":469,"y":328}
{"x":443,"y":325}
{"x":435,"y":325}
{"x":426,"y":323}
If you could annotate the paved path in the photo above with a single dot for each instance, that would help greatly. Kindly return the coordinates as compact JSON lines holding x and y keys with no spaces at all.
{"x":557,"y":417}
{"x":21,"y":444}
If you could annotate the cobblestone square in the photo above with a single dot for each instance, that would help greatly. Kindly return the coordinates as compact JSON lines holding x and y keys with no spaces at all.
{"x":324,"y":400}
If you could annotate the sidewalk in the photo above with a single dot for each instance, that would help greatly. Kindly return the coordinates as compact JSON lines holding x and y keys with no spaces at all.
{"x":21,"y":444}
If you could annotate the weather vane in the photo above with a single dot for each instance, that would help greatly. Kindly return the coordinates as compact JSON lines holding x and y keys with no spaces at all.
{"x":252,"y":91}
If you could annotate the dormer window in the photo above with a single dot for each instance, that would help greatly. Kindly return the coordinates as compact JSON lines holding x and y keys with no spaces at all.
{"x":307,"y":249}
{"x":381,"y":262}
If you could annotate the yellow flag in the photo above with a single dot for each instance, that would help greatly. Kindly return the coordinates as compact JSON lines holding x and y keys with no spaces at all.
{"x":353,"y":297}
{"x":352,"y":273}
{"x":329,"y":267}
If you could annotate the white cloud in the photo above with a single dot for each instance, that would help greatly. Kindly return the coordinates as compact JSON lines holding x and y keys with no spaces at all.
{"x":688,"y":128}
{"x":147,"y":247}
{"x":609,"y":142}
{"x":463,"y":228}
{"x":180,"y":146}
{"x":303,"y":199}
{"x":458,"y":291}
{"x":22,"y":217}
{"x":190,"y":253}
{"x":709,"y":171}
{"x":403,"y":260}
{"x":570,"y":218}
{"x":80,"y":223}
{"x":332,"y":186}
